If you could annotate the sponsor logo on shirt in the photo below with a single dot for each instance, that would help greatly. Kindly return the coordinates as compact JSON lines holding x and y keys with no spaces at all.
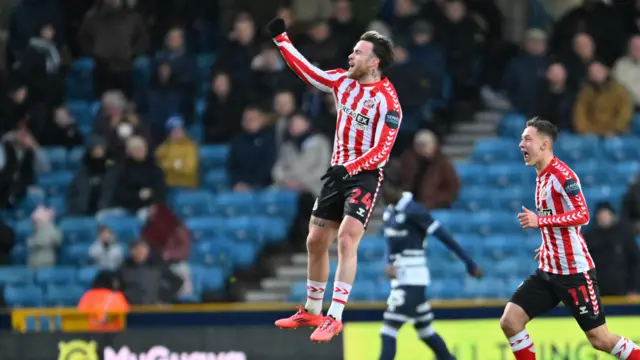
{"x":392,"y":119}
{"x":545,"y":212}
{"x":571,"y":187}
{"x":362,"y":122}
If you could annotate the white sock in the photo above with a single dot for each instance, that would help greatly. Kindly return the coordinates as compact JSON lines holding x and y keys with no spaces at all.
{"x":341,"y":293}
{"x":315,"y":295}
{"x":521,"y":341}
{"x":623,"y":348}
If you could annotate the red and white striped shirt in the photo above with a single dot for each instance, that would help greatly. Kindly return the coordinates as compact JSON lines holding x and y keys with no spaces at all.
{"x":369,"y":115}
{"x":562,"y":210}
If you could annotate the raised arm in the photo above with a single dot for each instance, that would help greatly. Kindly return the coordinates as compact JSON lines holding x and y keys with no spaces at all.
{"x":577,"y":217}
{"x":322,"y":80}
{"x":390,"y":119}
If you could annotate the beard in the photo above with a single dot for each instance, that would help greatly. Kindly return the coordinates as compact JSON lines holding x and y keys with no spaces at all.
{"x":356,"y":72}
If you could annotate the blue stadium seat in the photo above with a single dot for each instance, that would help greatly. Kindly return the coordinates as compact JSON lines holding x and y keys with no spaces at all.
{"x":56,"y":275}
{"x":445,"y":267}
{"x":196,"y":132}
{"x":474,"y":198}
{"x":612,"y":194}
{"x":496,"y":150}
{"x":499,"y":247}
{"x":15,"y":275}
{"x":25,"y":207}
{"x":622,"y":149}
{"x":23,"y":296}
{"x":364,"y":291}
{"x":194,"y":203}
{"x":213,"y":157}
{"x":82,"y":66}
{"x":236,"y":204}
{"x":509,"y":174}
{"x":204,"y":227}
{"x":205,"y":63}
{"x":635,"y":125}
{"x":273,"y":229}
{"x":55,"y":183}
{"x":22,"y":230}
{"x":125,"y":229}
{"x":75,"y":254}
{"x":277,"y":202}
{"x":492,"y":222}
{"x":80,"y":79}
{"x":510,"y":199}
{"x":298,"y":291}
{"x":63,"y":295}
{"x":74,"y":157}
{"x":244,"y":254}
{"x":214,"y":252}
{"x":86,"y":275}
{"x":578,"y":147}
{"x":59,"y":205}
{"x":19,"y":254}
{"x":141,"y":73}
{"x":213,"y":279}
{"x":81,"y":111}
{"x":217,"y":180}
{"x":595,"y":173}
{"x":243,"y":228}
{"x":371,"y":251}
{"x":471,"y":174}
{"x":57,"y":157}
{"x":371,"y":270}
{"x":625,"y":172}
{"x":484,"y":288}
{"x":200,"y":107}
{"x":445,"y":288}
{"x":511,"y":125}
{"x":471,"y":243}
{"x":454,"y":220}
{"x":78,"y":229}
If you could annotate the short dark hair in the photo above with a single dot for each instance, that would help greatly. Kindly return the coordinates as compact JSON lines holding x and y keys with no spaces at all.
{"x":382,"y":48}
{"x":544,"y":126}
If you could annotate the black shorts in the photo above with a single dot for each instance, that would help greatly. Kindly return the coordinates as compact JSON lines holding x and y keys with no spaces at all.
{"x":543,"y":291}
{"x":356,"y":198}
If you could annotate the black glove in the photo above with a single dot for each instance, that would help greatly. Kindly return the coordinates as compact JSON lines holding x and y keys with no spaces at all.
{"x":336,"y":174}
{"x":276,"y":27}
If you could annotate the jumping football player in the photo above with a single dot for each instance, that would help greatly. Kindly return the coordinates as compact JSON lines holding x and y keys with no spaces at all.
{"x":407,"y":224}
{"x":367,"y":123}
{"x":566,"y":272}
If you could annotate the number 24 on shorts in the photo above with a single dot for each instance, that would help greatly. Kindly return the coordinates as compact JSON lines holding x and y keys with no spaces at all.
{"x":358,"y":197}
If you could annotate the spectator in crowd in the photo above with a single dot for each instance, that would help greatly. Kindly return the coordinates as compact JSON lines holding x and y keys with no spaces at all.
{"x":267,"y":75}
{"x":146,"y":280}
{"x":13,"y":107}
{"x":604,"y":106}
{"x":135,"y":183}
{"x":165,"y":99}
{"x":428,"y":57}
{"x":630,"y":211}
{"x":178,"y":156}
{"x":166,"y":234}
{"x":320,"y":46}
{"x":62,"y":131}
{"x":555,"y":99}
{"x":342,"y":23}
{"x":116,"y":123}
{"x":428,"y":173}
{"x":7,"y":241}
{"x":45,"y":240}
{"x":284,"y":105}
{"x":105,"y":251}
{"x":405,"y":14}
{"x":239,"y":50}
{"x":253,"y":152}
{"x":596,"y":18}
{"x":104,"y":303}
{"x":183,"y":65}
{"x":112,"y":34}
{"x":627,"y":70}
{"x":615,"y":254}
{"x":577,"y":62}
{"x":40,"y":67}
{"x":309,"y":10}
{"x":525,"y":74}
{"x":224,"y":110}
{"x":303,"y":158}
{"x":20,"y":161}
{"x":325,"y":123}
{"x":25,"y":22}
{"x":463,"y":42}
{"x":86,"y":187}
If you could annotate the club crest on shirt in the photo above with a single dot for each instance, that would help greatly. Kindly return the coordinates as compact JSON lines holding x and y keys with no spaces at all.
{"x":543,"y":193}
{"x":369,"y":103}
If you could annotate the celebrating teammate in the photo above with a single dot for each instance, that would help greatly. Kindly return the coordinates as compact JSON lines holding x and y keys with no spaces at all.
{"x":406,"y":226}
{"x":566,"y":271}
{"x":368,"y":119}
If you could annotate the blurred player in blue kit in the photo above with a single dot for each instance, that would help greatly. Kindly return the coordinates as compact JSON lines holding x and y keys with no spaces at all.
{"x":407,"y":224}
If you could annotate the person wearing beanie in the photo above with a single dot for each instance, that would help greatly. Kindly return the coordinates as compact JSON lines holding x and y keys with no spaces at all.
{"x":177,"y":156}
